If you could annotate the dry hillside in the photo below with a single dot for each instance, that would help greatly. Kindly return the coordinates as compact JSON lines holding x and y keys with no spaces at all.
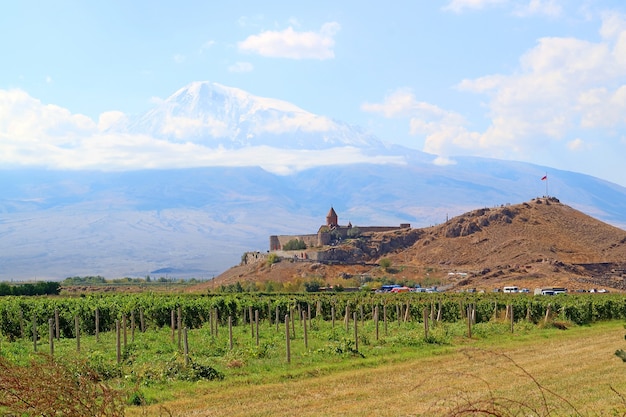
{"x":535,"y":244}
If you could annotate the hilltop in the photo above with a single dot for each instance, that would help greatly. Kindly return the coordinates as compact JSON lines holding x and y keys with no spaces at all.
{"x":533,"y":244}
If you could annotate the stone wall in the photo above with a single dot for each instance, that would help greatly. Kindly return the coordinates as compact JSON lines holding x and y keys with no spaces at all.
{"x":277,"y":242}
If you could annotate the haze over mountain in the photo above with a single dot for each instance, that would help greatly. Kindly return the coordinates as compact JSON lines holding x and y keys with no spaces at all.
{"x":243,"y":168}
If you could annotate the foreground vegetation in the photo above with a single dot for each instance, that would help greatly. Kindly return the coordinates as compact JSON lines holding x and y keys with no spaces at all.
{"x":176,"y":352}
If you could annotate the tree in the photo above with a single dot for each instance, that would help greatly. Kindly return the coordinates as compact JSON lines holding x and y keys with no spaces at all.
{"x":312,"y":286}
{"x":385,"y":263}
{"x":294,"y":244}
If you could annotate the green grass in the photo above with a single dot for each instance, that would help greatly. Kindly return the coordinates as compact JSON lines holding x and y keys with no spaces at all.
{"x":153,"y":371}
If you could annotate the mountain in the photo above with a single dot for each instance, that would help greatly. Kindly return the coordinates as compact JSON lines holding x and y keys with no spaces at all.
{"x":197,"y":221}
{"x":539,"y":243}
{"x":215,"y":115}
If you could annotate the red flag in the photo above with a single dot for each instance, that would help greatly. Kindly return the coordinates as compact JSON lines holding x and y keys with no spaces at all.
{"x":545,"y":177}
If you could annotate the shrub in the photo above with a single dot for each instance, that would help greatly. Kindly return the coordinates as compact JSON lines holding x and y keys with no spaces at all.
{"x":294,"y":244}
{"x":48,"y":388}
{"x":385,"y":263}
{"x":272,"y":258}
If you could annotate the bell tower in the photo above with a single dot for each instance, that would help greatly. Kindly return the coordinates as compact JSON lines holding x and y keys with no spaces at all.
{"x":331,"y":218}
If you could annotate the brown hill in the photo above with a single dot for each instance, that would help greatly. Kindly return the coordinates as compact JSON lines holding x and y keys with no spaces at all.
{"x":536,"y":244}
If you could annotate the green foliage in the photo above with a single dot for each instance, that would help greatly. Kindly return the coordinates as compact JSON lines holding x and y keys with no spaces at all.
{"x":312,"y":286}
{"x":272,"y":258}
{"x":88,"y":280}
{"x":353,"y":232}
{"x":294,"y":244}
{"x":385,"y":263}
{"x":38,"y":288}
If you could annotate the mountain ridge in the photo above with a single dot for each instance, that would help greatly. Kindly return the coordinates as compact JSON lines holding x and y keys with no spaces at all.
{"x":534,"y":244}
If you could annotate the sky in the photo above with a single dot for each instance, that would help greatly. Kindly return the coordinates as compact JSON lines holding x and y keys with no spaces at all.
{"x":540,"y":81}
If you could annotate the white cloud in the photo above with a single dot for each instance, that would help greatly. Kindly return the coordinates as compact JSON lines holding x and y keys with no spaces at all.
{"x":520,"y":8}
{"x":40,"y":135}
{"x":112,"y":120}
{"x":576,"y":144}
{"x":458,"y":6}
{"x":563,"y":87}
{"x":444,"y":131}
{"x":550,"y":8}
{"x":292,"y":44}
{"x":179,"y":59}
{"x":241,"y":67}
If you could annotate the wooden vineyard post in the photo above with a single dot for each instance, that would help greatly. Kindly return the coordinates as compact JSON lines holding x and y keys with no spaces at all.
{"x":469,"y":321}
{"x":309,"y":314}
{"x":56,"y":324}
{"x":124,"y":330}
{"x":186,"y":347}
{"x":439,"y":311}
{"x":398,"y":314}
{"x":97,"y":325}
{"x":35,"y":333}
{"x":376,"y":320}
{"x":361,"y":313}
{"x":269,"y":313}
{"x":251,"y":321}
{"x":277,"y":319}
{"x":293,"y":324}
{"x":230,"y":332}
{"x":173,"y":325}
{"x":256,"y":325}
{"x":132,"y":326}
{"x":356,"y":332}
{"x":548,"y":311}
{"x":216,"y":317}
{"x":512,"y":319}
{"x":332,"y":315}
{"x":425,"y":315}
{"x":304,"y":329}
{"x":287,"y":339}
{"x":432,"y":311}
{"x":142,"y":321}
{"x":118,"y":344}
{"x":385,"y":318}
{"x":51,"y":336}
{"x":347,"y":318}
{"x":77,"y":331}
{"x":407,"y":314}
{"x":179,"y":325}
{"x":21,"y":323}
{"x":495,"y":310}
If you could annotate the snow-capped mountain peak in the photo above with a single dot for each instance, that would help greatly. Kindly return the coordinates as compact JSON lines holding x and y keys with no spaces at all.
{"x":215,"y":115}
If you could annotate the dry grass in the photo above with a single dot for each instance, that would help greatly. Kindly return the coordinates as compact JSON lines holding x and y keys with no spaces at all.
{"x":572,"y":373}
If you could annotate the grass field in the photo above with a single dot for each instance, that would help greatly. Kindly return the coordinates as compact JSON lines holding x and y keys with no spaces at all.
{"x":538,"y":373}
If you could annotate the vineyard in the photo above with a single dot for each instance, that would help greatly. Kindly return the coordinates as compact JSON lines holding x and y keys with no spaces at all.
{"x":18,"y":314}
{"x":143,"y":342}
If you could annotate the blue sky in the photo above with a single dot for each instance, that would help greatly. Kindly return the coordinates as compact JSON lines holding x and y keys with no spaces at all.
{"x":541,"y":81}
